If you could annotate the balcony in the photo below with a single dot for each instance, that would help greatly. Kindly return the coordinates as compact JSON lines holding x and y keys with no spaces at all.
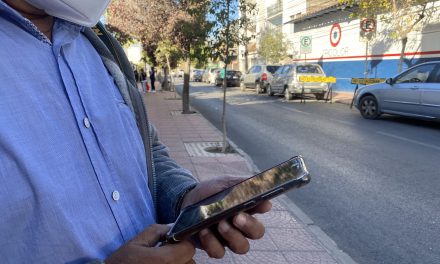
{"x":275,"y":9}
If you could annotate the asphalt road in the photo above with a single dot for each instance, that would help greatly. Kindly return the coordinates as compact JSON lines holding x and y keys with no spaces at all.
{"x":375,"y":186}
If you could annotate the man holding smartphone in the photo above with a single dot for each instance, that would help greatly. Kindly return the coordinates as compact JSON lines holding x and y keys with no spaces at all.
{"x":74,"y":185}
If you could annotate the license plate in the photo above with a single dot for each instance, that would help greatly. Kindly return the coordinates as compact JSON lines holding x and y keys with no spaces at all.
{"x":235,"y":77}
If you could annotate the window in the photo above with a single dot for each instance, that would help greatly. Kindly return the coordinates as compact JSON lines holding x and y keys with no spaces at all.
{"x":436,"y":77}
{"x":287,"y":69}
{"x":257,"y":69}
{"x":308,"y":69}
{"x":272,"y":68}
{"x":416,"y":75}
{"x":250,"y":70}
{"x":279,"y":70}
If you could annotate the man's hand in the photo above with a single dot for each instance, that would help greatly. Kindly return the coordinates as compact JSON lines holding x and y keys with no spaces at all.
{"x":141,"y":249}
{"x":235,"y":236}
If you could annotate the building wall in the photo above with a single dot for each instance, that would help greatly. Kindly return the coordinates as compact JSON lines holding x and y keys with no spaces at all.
{"x":343,"y":54}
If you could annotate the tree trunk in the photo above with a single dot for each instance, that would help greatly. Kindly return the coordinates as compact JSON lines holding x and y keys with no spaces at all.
{"x":165,"y":84}
{"x":185,"y":92}
{"x":402,"y":54}
{"x":225,"y":134}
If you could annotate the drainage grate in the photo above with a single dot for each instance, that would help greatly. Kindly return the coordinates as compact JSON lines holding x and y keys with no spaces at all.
{"x":197,"y":149}
{"x":179,"y":113}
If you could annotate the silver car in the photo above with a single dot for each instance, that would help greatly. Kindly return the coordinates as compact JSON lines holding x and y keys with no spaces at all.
{"x":258,"y":77}
{"x":413,"y":93}
{"x":286,"y":80}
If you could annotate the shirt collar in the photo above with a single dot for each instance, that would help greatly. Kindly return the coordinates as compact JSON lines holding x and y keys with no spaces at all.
{"x":69,"y":30}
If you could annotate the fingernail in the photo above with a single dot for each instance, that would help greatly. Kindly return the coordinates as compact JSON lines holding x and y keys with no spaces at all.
{"x":224,"y":226}
{"x":240,"y":220}
{"x":204,"y":232}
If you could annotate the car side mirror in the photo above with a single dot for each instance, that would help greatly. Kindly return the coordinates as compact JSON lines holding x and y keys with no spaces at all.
{"x":390,"y":81}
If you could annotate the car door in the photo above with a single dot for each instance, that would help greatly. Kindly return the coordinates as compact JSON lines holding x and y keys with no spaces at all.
{"x":256,"y":75}
{"x":404,"y":95}
{"x":275,"y":83}
{"x":430,"y":101}
{"x":284,"y":76}
{"x":248,"y":76}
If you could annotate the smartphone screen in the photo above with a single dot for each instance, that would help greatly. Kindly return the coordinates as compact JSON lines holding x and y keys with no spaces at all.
{"x":242,"y":196}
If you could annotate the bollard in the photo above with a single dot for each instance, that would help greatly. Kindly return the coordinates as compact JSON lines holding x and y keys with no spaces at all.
{"x":354,"y":94}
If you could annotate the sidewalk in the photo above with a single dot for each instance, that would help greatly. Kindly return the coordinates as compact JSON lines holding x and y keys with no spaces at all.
{"x":290,"y":236}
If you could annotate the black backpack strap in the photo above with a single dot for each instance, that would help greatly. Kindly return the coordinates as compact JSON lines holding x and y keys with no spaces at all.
{"x":119,"y":67}
{"x":116,"y":50}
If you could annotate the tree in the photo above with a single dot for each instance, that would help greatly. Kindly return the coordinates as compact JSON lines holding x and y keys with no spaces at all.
{"x":167,"y":55}
{"x":272,"y":46}
{"x":402,"y":15}
{"x":190,"y":32}
{"x":228,"y":31}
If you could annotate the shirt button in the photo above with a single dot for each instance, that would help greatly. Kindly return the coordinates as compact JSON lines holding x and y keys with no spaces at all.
{"x":86,"y":122}
{"x":116,"y":195}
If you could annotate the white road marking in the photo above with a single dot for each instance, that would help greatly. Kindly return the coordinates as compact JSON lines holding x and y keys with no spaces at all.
{"x":409,"y":140}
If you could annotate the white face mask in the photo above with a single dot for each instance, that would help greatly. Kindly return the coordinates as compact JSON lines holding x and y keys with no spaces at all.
{"x":82,"y":12}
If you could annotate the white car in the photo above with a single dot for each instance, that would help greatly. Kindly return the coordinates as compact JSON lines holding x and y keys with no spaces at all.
{"x":413,"y":93}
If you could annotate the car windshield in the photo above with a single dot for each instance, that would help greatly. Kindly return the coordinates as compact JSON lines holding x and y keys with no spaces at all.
{"x":308,"y":69}
{"x":272,"y":69}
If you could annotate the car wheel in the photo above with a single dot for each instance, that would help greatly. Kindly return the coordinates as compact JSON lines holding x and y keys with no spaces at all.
{"x":320,"y":96}
{"x":287,"y":95}
{"x":242,"y":87}
{"x":258,"y":88}
{"x":269,"y":90}
{"x":369,"y":107}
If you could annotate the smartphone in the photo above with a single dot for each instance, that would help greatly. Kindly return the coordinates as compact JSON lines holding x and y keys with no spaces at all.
{"x":240,"y":197}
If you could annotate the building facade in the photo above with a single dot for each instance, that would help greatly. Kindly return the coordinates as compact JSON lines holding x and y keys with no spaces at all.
{"x":337,"y":42}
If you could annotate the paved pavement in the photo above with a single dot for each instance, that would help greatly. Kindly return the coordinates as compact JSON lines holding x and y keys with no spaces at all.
{"x":291,"y":237}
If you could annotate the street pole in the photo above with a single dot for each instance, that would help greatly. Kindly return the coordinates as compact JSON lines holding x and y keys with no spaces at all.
{"x":366,"y":61}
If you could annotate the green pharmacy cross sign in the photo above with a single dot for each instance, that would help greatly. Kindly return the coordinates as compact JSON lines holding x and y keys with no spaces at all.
{"x":306,"y":44}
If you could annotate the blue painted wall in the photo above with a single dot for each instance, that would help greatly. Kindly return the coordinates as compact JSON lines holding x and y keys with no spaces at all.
{"x":345,"y":70}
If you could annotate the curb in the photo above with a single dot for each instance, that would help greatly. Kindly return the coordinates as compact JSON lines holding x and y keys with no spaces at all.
{"x":328,"y":243}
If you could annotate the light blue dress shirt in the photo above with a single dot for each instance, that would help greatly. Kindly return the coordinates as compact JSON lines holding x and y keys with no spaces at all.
{"x":73,"y":178}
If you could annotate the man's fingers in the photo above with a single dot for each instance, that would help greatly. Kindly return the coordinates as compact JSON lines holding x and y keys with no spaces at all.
{"x":151,"y":235}
{"x":249,"y":226}
{"x":261,"y":208}
{"x":181,"y":252}
{"x":234,"y":238}
{"x":211,"y":244}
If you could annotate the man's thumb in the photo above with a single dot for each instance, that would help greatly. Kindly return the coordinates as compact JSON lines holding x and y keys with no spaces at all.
{"x":153,"y":234}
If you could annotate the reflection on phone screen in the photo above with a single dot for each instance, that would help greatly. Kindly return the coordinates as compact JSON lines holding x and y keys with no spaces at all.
{"x":288,"y":172}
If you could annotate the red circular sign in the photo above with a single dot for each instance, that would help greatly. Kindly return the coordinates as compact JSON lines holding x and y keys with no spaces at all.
{"x":335,"y":34}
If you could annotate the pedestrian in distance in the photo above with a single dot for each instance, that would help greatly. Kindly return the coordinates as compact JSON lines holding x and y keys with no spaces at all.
{"x":136,"y":75}
{"x":143,"y":79}
{"x":153,"y":79}
{"x":83,"y":179}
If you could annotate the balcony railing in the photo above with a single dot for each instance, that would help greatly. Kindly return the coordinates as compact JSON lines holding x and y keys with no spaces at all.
{"x":275,"y":9}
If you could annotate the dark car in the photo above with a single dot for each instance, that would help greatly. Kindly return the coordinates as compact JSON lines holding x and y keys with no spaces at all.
{"x":258,"y":76}
{"x":232,"y":78}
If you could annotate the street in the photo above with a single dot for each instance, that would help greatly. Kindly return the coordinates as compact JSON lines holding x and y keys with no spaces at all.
{"x":375,"y":183}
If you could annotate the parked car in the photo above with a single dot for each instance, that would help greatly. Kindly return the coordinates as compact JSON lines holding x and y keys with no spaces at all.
{"x":232,"y":78}
{"x":209,"y":75}
{"x":196,"y":75}
{"x":413,"y":93}
{"x":257,"y":77}
{"x":286,"y":81}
